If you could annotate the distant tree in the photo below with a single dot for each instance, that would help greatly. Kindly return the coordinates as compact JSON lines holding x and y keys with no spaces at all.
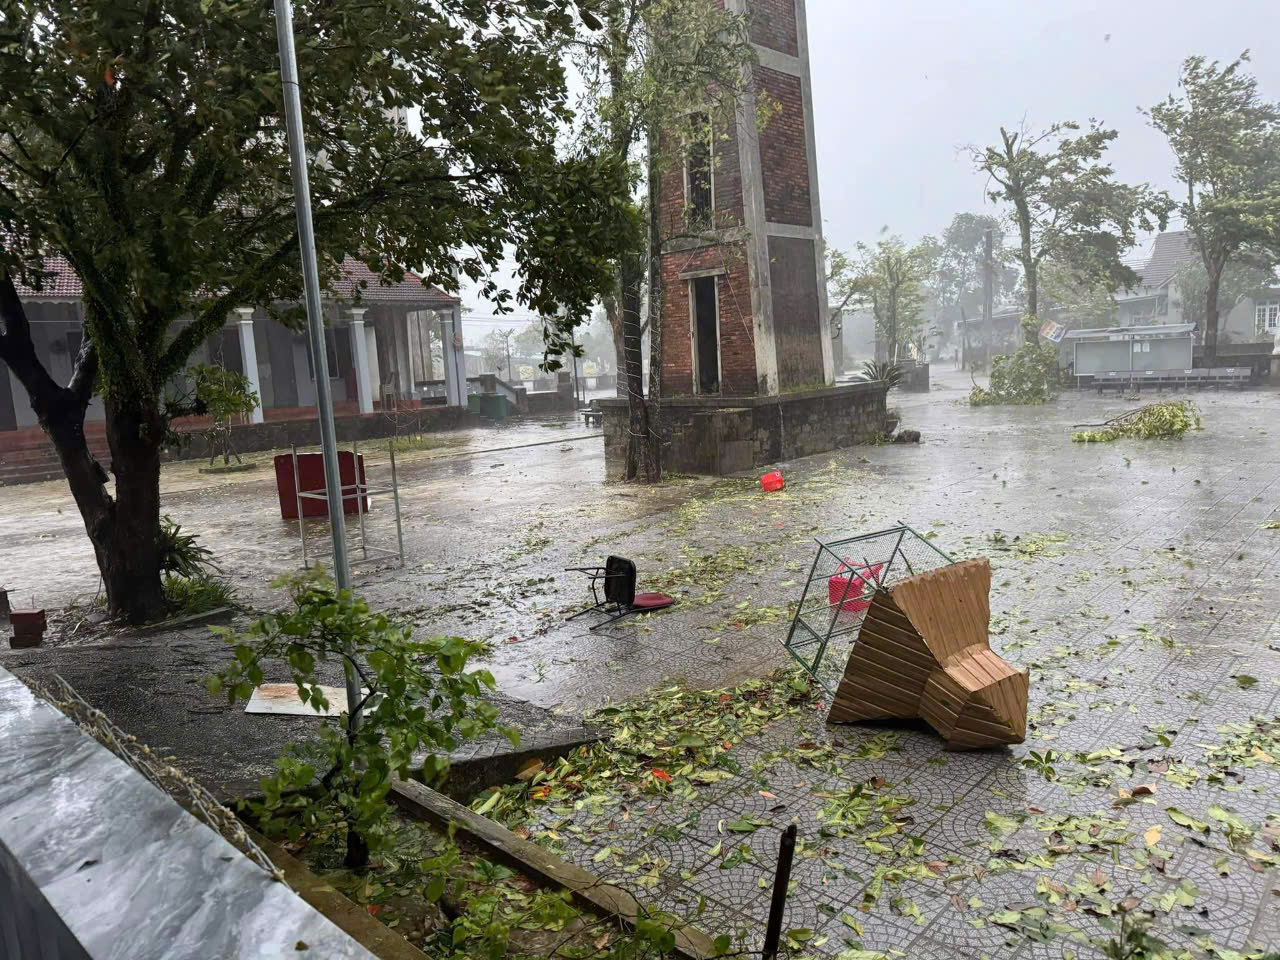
{"x":227,"y":398}
{"x":1226,"y":139}
{"x":147,"y":146}
{"x":529,"y":341}
{"x":1074,"y":299}
{"x":887,"y":279}
{"x":1239,"y":281}
{"x":956,"y":279}
{"x":493,"y":351}
{"x":1065,"y":203}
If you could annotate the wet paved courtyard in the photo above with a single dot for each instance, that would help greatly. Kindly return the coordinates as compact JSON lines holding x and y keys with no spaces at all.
{"x":1136,"y":580}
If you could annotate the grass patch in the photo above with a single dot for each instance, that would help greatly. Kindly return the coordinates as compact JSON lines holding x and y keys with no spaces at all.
{"x":421,"y":441}
{"x":188,"y":596}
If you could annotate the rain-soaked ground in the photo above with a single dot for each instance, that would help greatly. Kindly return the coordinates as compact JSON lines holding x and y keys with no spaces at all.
{"x":1135,"y":579}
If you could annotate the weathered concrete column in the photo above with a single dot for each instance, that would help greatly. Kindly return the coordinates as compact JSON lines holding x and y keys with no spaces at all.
{"x":360,"y":360}
{"x":455,"y":361}
{"x":249,"y":357}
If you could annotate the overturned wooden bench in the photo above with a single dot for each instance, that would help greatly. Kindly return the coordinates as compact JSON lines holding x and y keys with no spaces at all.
{"x":923,"y":651}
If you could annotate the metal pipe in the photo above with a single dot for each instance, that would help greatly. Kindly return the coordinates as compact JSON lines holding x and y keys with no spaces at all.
{"x":360,"y":497}
{"x":297,"y":493}
{"x":781,"y":880}
{"x":315,"y":320}
{"x":395,"y":496}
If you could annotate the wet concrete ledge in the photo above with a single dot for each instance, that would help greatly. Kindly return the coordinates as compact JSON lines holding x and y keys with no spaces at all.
{"x":96,"y":862}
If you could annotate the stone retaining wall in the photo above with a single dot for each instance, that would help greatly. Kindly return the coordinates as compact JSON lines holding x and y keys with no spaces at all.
{"x":718,"y":435}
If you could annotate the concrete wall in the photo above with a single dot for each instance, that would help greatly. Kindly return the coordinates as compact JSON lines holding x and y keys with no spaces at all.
{"x":281,"y":434}
{"x":96,"y":862}
{"x":722,"y":435}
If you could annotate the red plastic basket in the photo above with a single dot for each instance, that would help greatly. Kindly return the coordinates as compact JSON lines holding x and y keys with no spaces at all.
{"x":772,"y":481}
{"x":856,"y":596}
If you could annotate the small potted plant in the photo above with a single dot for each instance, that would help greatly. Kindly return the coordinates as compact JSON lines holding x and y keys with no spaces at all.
{"x":892,"y":417}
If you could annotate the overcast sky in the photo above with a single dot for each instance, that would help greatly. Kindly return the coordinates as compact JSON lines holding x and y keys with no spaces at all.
{"x":899,"y":85}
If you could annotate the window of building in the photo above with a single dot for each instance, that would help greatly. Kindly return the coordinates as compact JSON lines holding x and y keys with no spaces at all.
{"x":1267,"y":314}
{"x":699,"y":180}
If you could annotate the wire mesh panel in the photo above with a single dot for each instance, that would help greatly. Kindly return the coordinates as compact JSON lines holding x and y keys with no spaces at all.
{"x":845,"y":576}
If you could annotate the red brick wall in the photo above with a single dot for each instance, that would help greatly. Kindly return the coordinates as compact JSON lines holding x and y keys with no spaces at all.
{"x":737,"y":335}
{"x":784,"y":157}
{"x":773,"y":25}
{"x":727,"y":187}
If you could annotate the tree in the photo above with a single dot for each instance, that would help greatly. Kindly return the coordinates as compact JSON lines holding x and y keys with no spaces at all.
{"x":1226,"y":141}
{"x":1239,"y":281}
{"x":227,"y":397}
{"x":494,"y":351}
{"x":147,"y":147}
{"x":1074,"y":299}
{"x":664,"y":75}
{"x":956,"y":280}
{"x":1066,"y":204}
{"x":888,"y":279}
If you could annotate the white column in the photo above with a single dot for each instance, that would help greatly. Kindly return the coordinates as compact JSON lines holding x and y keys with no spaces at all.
{"x":360,"y":360}
{"x":455,"y":361}
{"x":249,"y":357}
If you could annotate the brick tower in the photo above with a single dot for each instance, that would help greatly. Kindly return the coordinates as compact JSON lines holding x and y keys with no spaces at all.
{"x":744,"y":305}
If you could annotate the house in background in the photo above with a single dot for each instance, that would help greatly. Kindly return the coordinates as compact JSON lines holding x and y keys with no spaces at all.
{"x":380,"y":342}
{"x":1156,"y":298}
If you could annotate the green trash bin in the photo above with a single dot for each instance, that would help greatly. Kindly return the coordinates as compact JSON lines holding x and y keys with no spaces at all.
{"x":491,"y":405}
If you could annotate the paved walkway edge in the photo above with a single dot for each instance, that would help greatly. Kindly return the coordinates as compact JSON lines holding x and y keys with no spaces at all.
{"x":588,"y":889}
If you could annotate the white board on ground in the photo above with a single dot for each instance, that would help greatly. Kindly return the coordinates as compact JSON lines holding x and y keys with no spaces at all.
{"x":281,"y":700}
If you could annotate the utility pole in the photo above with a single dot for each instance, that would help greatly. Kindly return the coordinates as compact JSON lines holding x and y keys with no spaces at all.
{"x":988,"y":323}
{"x":315,"y":325}
{"x":506,"y":338}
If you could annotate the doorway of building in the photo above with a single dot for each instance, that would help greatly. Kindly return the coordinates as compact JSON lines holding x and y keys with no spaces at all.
{"x":706,"y":334}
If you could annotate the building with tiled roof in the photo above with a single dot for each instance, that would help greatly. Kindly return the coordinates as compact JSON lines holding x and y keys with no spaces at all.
{"x":387,"y":344}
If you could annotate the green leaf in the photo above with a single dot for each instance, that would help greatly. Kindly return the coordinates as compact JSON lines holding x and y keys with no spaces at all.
{"x":1184,"y":820}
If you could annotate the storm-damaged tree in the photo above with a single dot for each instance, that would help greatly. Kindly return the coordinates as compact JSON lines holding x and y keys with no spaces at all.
{"x":664,"y":81}
{"x":1241,"y":280}
{"x":1066,"y":205}
{"x":1226,"y":140}
{"x":145,"y":144}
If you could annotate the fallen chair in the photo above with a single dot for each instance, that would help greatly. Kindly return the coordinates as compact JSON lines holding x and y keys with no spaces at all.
{"x":617,"y":579}
{"x":923,"y":652}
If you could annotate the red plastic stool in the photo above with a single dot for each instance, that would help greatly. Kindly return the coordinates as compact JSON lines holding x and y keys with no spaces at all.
{"x":772,"y":481}
{"x":851,"y":591}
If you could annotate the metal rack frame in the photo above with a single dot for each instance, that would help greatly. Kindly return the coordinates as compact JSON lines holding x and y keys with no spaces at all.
{"x":826,"y":624}
{"x":361,"y":491}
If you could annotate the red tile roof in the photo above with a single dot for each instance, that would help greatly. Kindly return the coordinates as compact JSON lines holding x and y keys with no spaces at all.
{"x":61,"y":283}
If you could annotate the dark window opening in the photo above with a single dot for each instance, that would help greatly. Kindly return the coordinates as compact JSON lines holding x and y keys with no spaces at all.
{"x":330,"y":355}
{"x":705,"y":334}
{"x":699,"y":181}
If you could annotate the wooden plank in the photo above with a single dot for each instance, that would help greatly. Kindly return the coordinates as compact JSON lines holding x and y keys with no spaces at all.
{"x":923,"y":650}
{"x":588,"y":890}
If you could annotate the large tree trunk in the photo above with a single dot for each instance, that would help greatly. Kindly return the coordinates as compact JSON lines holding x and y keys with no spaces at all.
{"x":124,"y":530}
{"x":1211,"y":318}
{"x":130,"y":563}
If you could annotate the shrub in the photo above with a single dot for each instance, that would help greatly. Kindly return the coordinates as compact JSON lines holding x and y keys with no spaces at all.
{"x":890,"y":373}
{"x":416,"y":697}
{"x":1027,"y":376}
{"x":180,"y":554}
{"x":188,"y":596}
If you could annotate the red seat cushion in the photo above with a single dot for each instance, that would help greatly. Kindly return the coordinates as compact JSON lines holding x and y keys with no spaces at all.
{"x":652,"y":601}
